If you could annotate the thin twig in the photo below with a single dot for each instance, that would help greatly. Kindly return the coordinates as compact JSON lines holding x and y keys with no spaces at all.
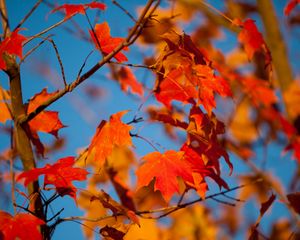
{"x":56,"y":53}
{"x":24,"y":208}
{"x":55,"y":215}
{"x":59,"y":61}
{"x":28,"y":14}
{"x":83,"y":65}
{"x":133,"y":65}
{"x":33,"y":49}
{"x":145,"y":139}
{"x":4,"y":19}
{"x":183,"y":205}
{"x":45,"y":31}
{"x":124,"y":10}
{"x":223,"y":202}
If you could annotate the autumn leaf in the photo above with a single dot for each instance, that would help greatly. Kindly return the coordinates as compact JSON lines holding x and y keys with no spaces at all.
{"x":292,"y":97}
{"x":200,"y":170}
{"x":147,"y":230}
{"x":60,"y":174}
{"x":105,"y":43}
{"x":112,"y":233}
{"x":185,"y":75}
{"x":116,"y":208}
{"x":175,"y":87}
{"x":11,"y":45}
{"x":195,"y":223}
{"x":110,"y":134}
{"x":128,"y":80}
{"x":164,"y":168}
{"x":72,"y":9}
{"x":4,"y":106}
{"x":242,"y":120}
{"x":294,"y":199}
{"x":46,"y":121}
{"x":259,"y":91}
{"x":290,"y":6}
{"x":252,"y":40}
{"x":22,"y":226}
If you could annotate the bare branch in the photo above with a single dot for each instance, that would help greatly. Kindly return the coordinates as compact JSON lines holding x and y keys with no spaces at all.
{"x":133,"y":34}
{"x":28,"y":14}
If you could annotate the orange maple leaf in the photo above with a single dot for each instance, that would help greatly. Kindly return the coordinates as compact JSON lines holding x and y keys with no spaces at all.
{"x":60,"y":174}
{"x":164,"y":168}
{"x":175,"y":86}
{"x":105,"y":43}
{"x":22,"y":226}
{"x":185,"y":74}
{"x":72,"y":9}
{"x":290,"y":6}
{"x":46,"y":121}
{"x":11,"y":45}
{"x":4,"y":105}
{"x":259,"y":91}
{"x":108,"y":135}
{"x":128,"y":80}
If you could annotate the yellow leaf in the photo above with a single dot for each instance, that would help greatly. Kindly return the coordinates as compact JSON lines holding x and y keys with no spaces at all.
{"x":242,"y":126}
{"x":292,"y":99}
{"x":147,"y":231}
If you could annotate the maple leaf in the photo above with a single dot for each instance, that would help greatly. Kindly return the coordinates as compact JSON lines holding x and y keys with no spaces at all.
{"x":11,"y":45}
{"x":46,"y":121}
{"x":200,"y":170}
{"x":164,"y":168}
{"x":185,"y":75}
{"x":203,"y":134}
{"x":22,"y":226}
{"x":252,"y":40}
{"x":72,"y":9}
{"x":4,"y":105}
{"x":109,"y":135}
{"x":290,"y":6}
{"x":175,"y":87}
{"x":259,"y":91}
{"x":105,"y":43}
{"x":128,"y":80}
{"x":60,"y":174}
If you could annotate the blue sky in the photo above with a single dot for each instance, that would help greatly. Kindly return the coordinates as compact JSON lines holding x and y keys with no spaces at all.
{"x":82,"y":114}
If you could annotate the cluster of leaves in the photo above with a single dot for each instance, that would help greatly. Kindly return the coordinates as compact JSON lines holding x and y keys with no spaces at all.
{"x":190,"y":78}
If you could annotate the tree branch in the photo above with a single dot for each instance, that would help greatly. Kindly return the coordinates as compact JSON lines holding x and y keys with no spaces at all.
{"x":133,"y":34}
{"x":276,"y":44}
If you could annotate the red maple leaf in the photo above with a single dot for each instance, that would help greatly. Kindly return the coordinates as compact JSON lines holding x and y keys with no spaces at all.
{"x":11,"y":45}
{"x":108,"y":135}
{"x":22,"y":226}
{"x":60,"y":174}
{"x":164,"y":168}
{"x":201,"y":169}
{"x":290,"y":6}
{"x":253,"y":40}
{"x":203,"y":131}
{"x":105,"y":43}
{"x":71,"y":9}
{"x":128,"y":80}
